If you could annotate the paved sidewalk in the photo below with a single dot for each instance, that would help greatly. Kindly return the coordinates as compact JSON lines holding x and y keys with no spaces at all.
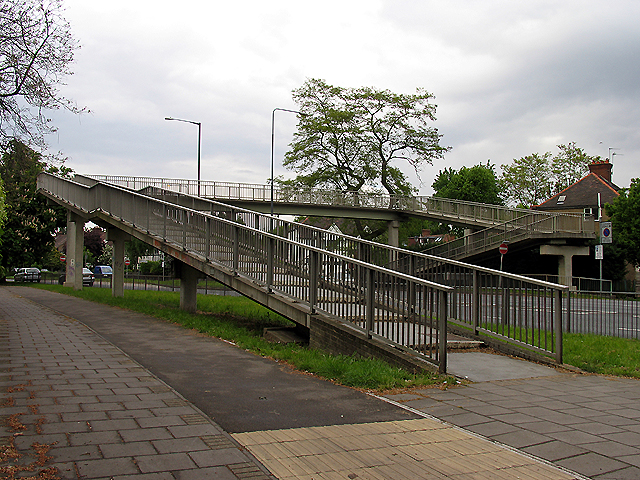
{"x":587,"y":423}
{"x":75,"y":406}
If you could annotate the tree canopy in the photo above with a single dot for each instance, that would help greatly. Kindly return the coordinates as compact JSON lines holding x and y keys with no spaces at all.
{"x":94,"y":241}
{"x":3,"y":211}
{"x":476,"y":184}
{"x":532,"y":179}
{"x":26,"y":237}
{"x":36,"y":49}
{"x":625,"y":218}
{"x":350,"y":139}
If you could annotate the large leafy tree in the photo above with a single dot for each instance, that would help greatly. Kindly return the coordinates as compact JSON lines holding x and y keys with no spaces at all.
{"x":532,"y":179}
{"x":136,"y":249}
{"x":27,"y":236}
{"x":3,"y":211}
{"x":351,"y":139}
{"x":472,"y":184}
{"x":527,"y":181}
{"x":94,"y":241}
{"x":36,"y":49}
{"x":569,"y":165}
{"x":625,"y":218}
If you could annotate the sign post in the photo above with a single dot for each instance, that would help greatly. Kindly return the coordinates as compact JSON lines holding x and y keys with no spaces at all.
{"x":606,"y":232}
{"x":504,"y":248}
{"x":606,"y":236}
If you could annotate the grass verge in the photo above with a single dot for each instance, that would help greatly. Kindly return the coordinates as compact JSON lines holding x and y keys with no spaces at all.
{"x":241,"y":321}
{"x":599,"y":354}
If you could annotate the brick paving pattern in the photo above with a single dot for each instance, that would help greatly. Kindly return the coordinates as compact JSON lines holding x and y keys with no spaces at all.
{"x":587,"y":423}
{"x":74,"y":406}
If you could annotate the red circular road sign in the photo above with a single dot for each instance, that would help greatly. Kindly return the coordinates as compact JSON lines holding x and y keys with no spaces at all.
{"x":63,"y":258}
{"x":127,"y":262}
{"x":503,"y":248}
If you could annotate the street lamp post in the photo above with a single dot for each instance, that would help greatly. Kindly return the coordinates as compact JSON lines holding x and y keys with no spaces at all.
{"x":199,"y":141}
{"x":273,"y":118}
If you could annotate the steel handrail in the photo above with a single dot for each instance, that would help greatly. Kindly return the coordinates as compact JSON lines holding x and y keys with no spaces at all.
{"x":485,"y":299}
{"x":452,"y":209}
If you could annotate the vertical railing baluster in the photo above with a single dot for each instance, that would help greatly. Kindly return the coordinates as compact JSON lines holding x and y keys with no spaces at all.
{"x":369,"y":300}
{"x":314,"y":274}
{"x":236,"y":249}
{"x":270,"y":260}
{"x":207,"y":239}
{"x":558,"y":325}
{"x":475,"y":302}
{"x":443,"y":298}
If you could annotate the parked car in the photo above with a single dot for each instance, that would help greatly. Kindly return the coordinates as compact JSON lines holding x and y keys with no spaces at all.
{"x":101,"y":271}
{"x":87,"y":278}
{"x":27,"y":275}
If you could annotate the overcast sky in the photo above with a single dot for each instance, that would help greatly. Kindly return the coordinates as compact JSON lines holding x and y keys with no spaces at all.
{"x":510,"y":79}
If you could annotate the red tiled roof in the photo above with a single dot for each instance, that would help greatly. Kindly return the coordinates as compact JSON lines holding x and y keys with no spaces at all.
{"x":582,"y":194}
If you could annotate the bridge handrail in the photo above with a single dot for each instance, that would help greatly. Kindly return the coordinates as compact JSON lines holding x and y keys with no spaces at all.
{"x":447,"y":208}
{"x":393,"y":251}
{"x":307,"y":274}
{"x":478,"y":290}
{"x":491,"y":237}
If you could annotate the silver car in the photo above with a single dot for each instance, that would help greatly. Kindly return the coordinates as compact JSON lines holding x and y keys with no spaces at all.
{"x":27,"y":275}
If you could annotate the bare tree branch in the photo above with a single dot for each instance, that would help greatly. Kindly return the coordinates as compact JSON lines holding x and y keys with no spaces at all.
{"x":36,"y":50}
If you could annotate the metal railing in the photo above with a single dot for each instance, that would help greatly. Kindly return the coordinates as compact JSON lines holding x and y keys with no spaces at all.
{"x":579,"y":284}
{"x":535,"y":225}
{"x":520,"y":310}
{"x":315,"y":275}
{"x":444,"y":209}
{"x":615,"y":314}
{"x":135,"y":281}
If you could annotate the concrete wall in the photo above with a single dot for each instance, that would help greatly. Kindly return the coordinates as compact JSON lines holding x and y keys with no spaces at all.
{"x":339,"y":339}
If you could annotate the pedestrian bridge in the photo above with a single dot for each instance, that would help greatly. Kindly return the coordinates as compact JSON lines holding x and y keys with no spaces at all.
{"x":487,"y":226}
{"x":352,"y":296}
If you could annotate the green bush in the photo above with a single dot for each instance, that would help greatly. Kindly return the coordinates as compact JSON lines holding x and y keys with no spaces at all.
{"x":151,"y":268}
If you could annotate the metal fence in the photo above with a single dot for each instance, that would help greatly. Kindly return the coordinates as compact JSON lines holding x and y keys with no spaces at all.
{"x":134,"y":281}
{"x":615,"y":314}
{"x":315,"y":275}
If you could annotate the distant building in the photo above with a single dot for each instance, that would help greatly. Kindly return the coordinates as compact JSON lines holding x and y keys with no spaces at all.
{"x":582,"y":196}
{"x":426,"y":238}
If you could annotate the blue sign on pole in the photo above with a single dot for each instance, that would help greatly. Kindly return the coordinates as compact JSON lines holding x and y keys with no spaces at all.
{"x":605,"y":232}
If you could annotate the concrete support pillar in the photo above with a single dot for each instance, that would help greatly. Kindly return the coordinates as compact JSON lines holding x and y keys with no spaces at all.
{"x":394,"y":233}
{"x":188,"y":288}
{"x":394,"y":238}
{"x":118,"y":237}
{"x":75,"y":251}
{"x":565,"y":255}
{"x":466,"y":233}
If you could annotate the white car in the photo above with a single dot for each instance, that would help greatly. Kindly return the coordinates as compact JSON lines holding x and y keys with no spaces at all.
{"x":27,"y":275}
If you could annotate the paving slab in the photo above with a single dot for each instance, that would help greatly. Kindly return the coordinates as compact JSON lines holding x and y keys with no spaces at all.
{"x":484,"y":367}
{"x":125,"y":419}
{"x":89,"y":442}
{"x":571,"y":419}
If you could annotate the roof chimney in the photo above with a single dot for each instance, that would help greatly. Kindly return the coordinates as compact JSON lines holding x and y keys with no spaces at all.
{"x":602,"y":169}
